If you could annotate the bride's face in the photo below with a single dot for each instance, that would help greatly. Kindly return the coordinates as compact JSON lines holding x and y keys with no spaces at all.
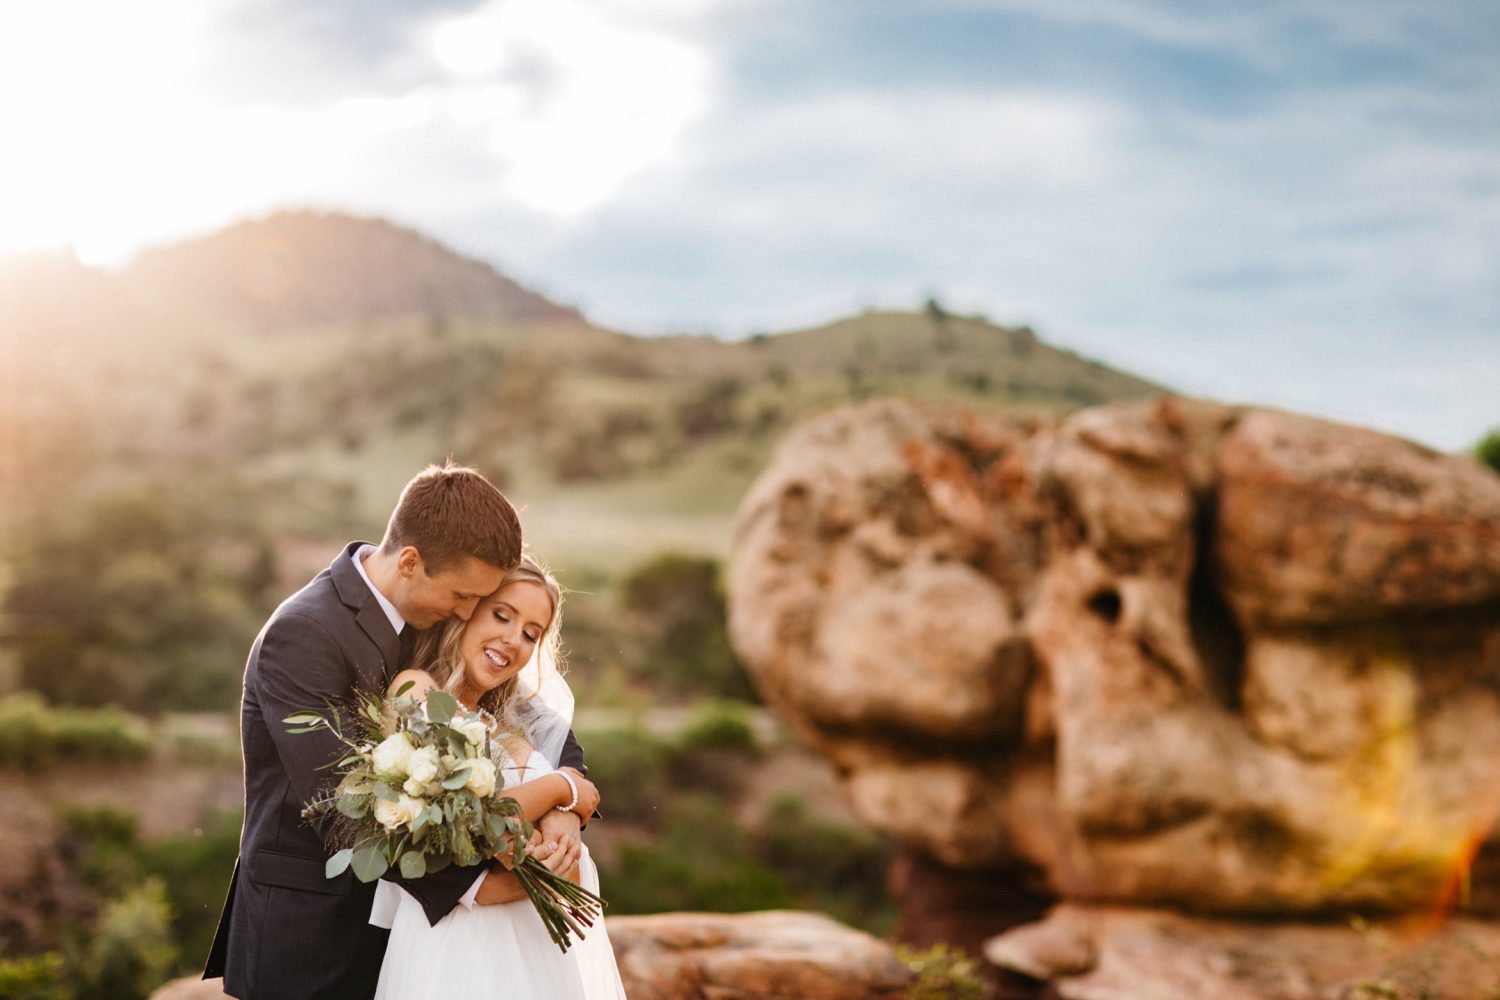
{"x":503,"y":632}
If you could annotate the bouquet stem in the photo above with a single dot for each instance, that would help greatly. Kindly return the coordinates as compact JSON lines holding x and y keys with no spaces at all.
{"x":565,"y":907}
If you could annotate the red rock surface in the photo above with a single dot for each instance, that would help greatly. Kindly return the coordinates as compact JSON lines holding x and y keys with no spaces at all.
{"x":1223,"y":659}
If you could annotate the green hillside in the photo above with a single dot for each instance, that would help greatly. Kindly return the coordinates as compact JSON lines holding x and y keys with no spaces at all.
{"x":382,"y":351}
{"x":178,"y":452}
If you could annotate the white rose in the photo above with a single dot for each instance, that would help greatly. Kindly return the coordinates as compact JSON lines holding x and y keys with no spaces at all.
{"x":420,"y":788}
{"x":402,"y":812}
{"x":394,"y":755}
{"x":481,"y":777}
{"x":473,"y":729}
{"x":423,"y":765}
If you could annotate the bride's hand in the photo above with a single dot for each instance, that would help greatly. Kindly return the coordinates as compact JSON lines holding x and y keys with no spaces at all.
{"x":563,"y":843}
{"x":537,"y":847}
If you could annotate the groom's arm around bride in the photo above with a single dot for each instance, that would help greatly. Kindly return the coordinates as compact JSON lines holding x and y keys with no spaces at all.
{"x":287,"y":931}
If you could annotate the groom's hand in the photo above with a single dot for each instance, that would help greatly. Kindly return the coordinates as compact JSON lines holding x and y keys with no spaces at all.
{"x":561,"y":840}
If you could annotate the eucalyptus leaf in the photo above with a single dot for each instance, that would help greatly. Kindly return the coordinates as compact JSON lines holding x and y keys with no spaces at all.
{"x":457,"y":779}
{"x":386,"y":793}
{"x":405,"y":688}
{"x":437,"y":863}
{"x":440,"y":706}
{"x":369,"y":862}
{"x":303,"y":718}
{"x":338,"y":863}
{"x":413,"y":864}
{"x":354,"y":806}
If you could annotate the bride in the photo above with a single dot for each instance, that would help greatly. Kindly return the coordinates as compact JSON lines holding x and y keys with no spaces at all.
{"x":494,"y":946}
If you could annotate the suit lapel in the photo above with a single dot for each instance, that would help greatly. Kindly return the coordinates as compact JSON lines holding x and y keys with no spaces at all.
{"x":368,"y":615}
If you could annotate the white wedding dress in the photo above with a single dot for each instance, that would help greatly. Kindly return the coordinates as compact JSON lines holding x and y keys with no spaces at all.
{"x":497,"y":952}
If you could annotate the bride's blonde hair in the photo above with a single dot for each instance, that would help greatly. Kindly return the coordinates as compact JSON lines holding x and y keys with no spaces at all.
{"x":437,"y":650}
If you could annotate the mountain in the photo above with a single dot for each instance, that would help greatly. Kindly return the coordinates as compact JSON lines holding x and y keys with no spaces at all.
{"x":296,"y":269}
{"x":326,"y":357}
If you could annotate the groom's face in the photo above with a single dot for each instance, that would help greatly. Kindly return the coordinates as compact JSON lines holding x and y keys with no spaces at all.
{"x":454,"y":591}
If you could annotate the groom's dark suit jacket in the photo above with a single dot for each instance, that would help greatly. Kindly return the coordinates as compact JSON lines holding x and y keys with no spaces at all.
{"x":287,"y":931}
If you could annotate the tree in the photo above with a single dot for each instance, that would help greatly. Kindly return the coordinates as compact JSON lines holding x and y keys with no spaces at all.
{"x":1488,"y":449}
{"x":144,"y":601}
{"x":680,"y":608}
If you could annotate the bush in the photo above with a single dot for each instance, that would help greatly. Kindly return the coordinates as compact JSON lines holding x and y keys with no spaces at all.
{"x":1488,"y":449}
{"x":630,"y":767}
{"x":837,"y":868}
{"x":195,"y":870}
{"x":32,"y":734}
{"x":33,"y":977}
{"x":701,"y":861}
{"x":680,"y":609}
{"x":192,"y":871}
{"x":719,"y":726}
{"x":144,"y":600}
{"x":942,"y":973}
{"x":130,"y":952}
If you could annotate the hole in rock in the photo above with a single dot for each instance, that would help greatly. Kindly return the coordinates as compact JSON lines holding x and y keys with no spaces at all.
{"x":1106,"y":604}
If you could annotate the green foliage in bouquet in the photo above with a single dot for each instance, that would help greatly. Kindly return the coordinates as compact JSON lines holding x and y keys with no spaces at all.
{"x":417,"y":793}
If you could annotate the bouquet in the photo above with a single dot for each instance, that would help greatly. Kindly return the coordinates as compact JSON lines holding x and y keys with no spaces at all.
{"x":417,"y":793}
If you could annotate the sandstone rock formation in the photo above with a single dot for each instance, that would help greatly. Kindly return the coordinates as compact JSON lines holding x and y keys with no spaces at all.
{"x":780,"y":955}
{"x":752,"y":956}
{"x":1217,"y":658}
{"x":1102,"y":953}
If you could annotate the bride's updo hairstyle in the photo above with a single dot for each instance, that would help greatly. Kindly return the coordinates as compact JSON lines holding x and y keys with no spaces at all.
{"x":437,"y":649}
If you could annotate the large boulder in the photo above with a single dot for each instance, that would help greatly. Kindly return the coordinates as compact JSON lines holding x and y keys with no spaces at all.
{"x":1104,"y":953}
{"x":1225,"y":659}
{"x":773,"y":955}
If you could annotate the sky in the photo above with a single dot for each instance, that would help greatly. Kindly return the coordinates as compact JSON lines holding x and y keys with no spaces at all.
{"x":1278,"y":203}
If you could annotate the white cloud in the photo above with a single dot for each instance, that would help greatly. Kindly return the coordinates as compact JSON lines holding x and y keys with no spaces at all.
{"x":570,"y":97}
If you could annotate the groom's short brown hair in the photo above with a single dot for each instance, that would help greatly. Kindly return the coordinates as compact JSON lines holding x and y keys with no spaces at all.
{"x":450,"y":511}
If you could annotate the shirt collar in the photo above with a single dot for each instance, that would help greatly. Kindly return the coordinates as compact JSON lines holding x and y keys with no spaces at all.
{"x":397,"y":622}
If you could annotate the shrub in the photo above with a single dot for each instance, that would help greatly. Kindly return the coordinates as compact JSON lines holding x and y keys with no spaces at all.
{"x":192,"y":870}
{"x":630,"y":767}
{"x":33,"y":977}
{"x":100,"y":733}
{"x":33,"y":734}
{"x":942,"y":973}
{"x":838,"y":868}
{"x":680,"y":610}
{"x":701,"y":861}
{"x":1488,"y":449}
{"x":130,"y":951}
{"x":721,"y":726}
{"x":195,"y":869}
{"x":143,"y":600}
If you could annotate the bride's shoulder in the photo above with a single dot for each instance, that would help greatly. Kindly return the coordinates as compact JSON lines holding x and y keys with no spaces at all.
{"x":416,"y":682}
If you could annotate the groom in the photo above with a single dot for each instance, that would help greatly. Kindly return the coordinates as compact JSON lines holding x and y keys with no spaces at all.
{"x":286,"y":930}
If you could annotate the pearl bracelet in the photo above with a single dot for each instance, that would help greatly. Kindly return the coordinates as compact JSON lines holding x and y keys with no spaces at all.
{"x":574,"y":786}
